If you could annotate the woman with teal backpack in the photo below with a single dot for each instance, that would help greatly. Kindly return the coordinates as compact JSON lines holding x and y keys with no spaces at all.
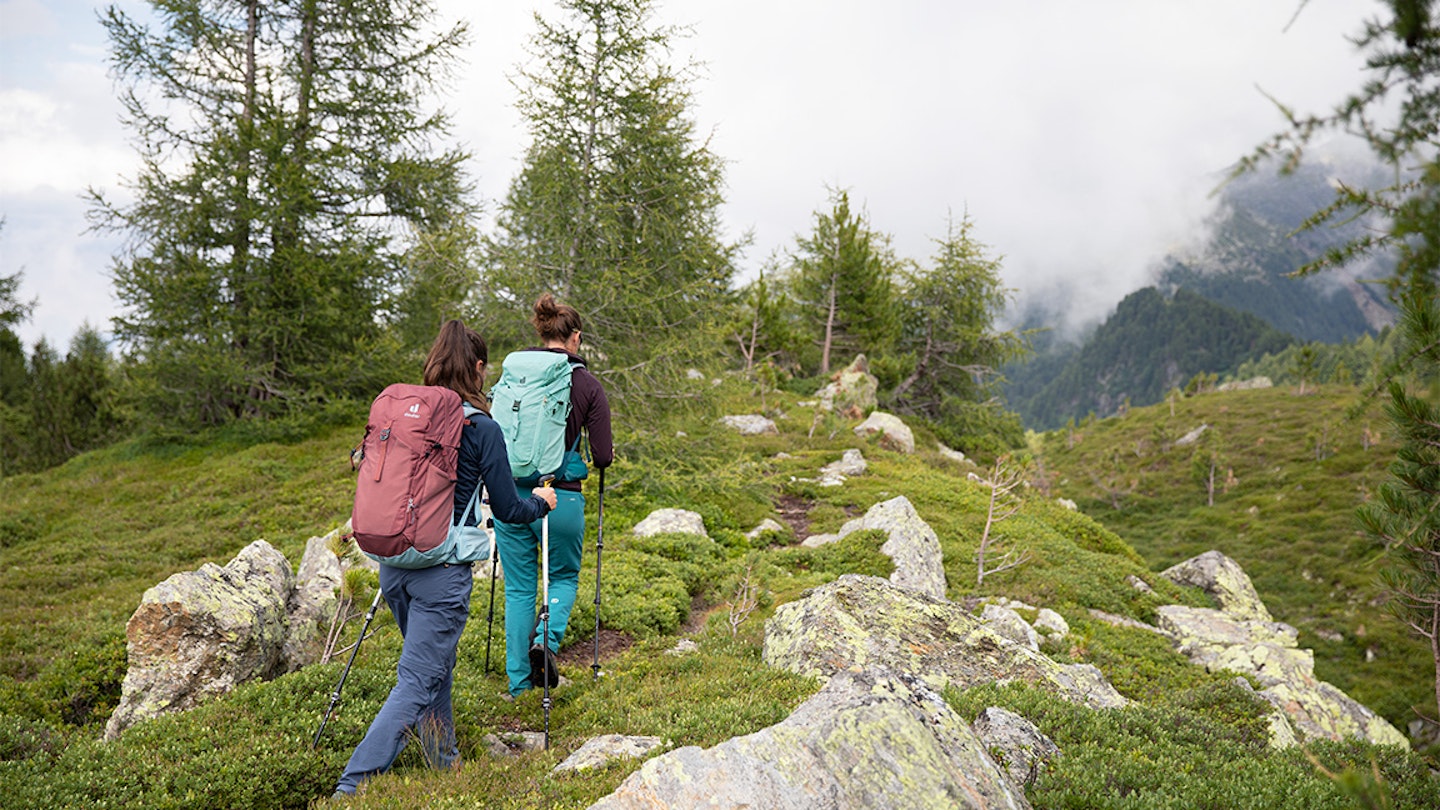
{"x":431,"y":604}
{"x":526,"y":664}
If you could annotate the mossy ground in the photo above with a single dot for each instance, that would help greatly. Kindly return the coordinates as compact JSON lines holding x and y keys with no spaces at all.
{"x":80,"y":544}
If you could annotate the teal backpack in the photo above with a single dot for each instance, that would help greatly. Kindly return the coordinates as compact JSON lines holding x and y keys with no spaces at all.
{"x":531,"y":402}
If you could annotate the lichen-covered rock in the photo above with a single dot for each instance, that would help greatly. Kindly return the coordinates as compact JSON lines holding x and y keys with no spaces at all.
{"x":852,"y":391}
{"x":200,"y":633}
{"x":859,"y":621}
{"x":851,"y":463}
{"x":1267,"y":652}
{"x":312,"y":604}
{"x":894,"y":434}
{"x":871,"y":740}
{"x":597,"y":751}
{"x":1223,"y":579}
{"x":1009,"y":624}
{"x":910,"y":543}
{"x":1015,"y":744}
{"x":663,"y":521}
{"x":750,"y":424}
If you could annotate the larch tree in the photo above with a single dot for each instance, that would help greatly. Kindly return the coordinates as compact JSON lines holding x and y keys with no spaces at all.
{"x":615,"y":209}
{"x":842,"y":278}
{"x":288,"y":169}
{"x":949,"y":349}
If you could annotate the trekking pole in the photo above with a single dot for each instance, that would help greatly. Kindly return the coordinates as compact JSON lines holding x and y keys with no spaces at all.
{"x":335,"y":696}
{"x":545,"y":610}
{"x":490,"y":615}
{"x":599,"y":549}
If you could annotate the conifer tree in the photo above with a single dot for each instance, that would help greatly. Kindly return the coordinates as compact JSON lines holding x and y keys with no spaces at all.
{"x":616,"y":208}
{"x":287,"y":168}
{"x":842,"y":277}
{"x":949,"y":347}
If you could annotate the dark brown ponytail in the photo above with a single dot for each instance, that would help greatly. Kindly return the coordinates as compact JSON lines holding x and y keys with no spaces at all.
{"x":451,"y":362}
{"x":553,"y":320}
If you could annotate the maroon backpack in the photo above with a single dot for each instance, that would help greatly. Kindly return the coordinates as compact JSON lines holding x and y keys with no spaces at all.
{"x":405,"y":491}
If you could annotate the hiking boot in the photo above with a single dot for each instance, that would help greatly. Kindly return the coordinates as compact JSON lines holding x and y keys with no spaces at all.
{"x":542,"y":668}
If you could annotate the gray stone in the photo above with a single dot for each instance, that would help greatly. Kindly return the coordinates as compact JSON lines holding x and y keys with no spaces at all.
{"x":851,"y":463}
{"x":911,"y":544}
{"x":1138,"y":584}
{"x":1191,"y":437}
{"x":684,"y":646}
{"x":750,"y":424}
{"x":767,"y":525}
{"x":663,"y":521}
{"x":511,"y":743}
{"x":312,"y":604}
{"x":1223,"y":579}
{"x":894,"y":434}
{"x":1009,"y":624}
{"x":1052,"y":624}
{"x":858,"y":621}
{"x":871,"y":740}
{"x":1015,"y":744}
{"x":597,"y":751}
{"x":200,"y":633}
{"x":818,"y":540}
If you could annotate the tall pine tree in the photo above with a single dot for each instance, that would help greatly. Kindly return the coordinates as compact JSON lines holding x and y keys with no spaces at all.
{"x":616,"y":208}
{"x":287,"y":168}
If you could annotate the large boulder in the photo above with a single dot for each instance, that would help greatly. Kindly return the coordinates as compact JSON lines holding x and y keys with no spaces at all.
{"x":868,"y":740}
{"x":200,"y":633}
{"x":894,"y":434}
{"x":910,"y":543}
{"x":858,"y":621}
{"x":1224,"y":579}
{"x":851,"y":391}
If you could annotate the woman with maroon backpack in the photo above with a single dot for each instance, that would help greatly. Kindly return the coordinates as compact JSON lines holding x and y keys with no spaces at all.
{"x":432,"y":604}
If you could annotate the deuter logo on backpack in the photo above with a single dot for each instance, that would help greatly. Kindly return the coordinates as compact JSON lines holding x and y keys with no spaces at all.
{"x":531,"y":402}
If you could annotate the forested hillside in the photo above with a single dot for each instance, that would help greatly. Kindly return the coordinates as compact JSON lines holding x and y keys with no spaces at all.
{"x":1149,"y":346}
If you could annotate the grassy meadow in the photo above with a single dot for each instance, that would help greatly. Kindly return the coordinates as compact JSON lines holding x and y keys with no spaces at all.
{"x":81,"y":543}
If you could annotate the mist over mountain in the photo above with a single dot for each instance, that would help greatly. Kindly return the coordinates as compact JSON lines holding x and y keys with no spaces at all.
{"x":1227,"y":297}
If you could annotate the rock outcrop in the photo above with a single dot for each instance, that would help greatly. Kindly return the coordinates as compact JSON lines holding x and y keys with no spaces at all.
{"x":200,"y":633}
{"x":1224,"y":579}
{"x":910,"y":543}
{"x":871,"y":740}
{"x":859,"y":621}
{"x":1242,"y":638}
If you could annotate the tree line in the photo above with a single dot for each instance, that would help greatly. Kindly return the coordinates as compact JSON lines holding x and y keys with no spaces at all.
{"x":300,"y":224}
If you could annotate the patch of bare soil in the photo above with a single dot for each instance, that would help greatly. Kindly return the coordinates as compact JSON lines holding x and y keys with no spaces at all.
{"x":795,"y":512}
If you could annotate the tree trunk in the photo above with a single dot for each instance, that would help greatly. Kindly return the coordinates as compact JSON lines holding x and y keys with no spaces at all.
{"x":829,"y":324}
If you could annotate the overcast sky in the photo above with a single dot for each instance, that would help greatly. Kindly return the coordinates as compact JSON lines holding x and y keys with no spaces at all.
{"x":1083,"y":138}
